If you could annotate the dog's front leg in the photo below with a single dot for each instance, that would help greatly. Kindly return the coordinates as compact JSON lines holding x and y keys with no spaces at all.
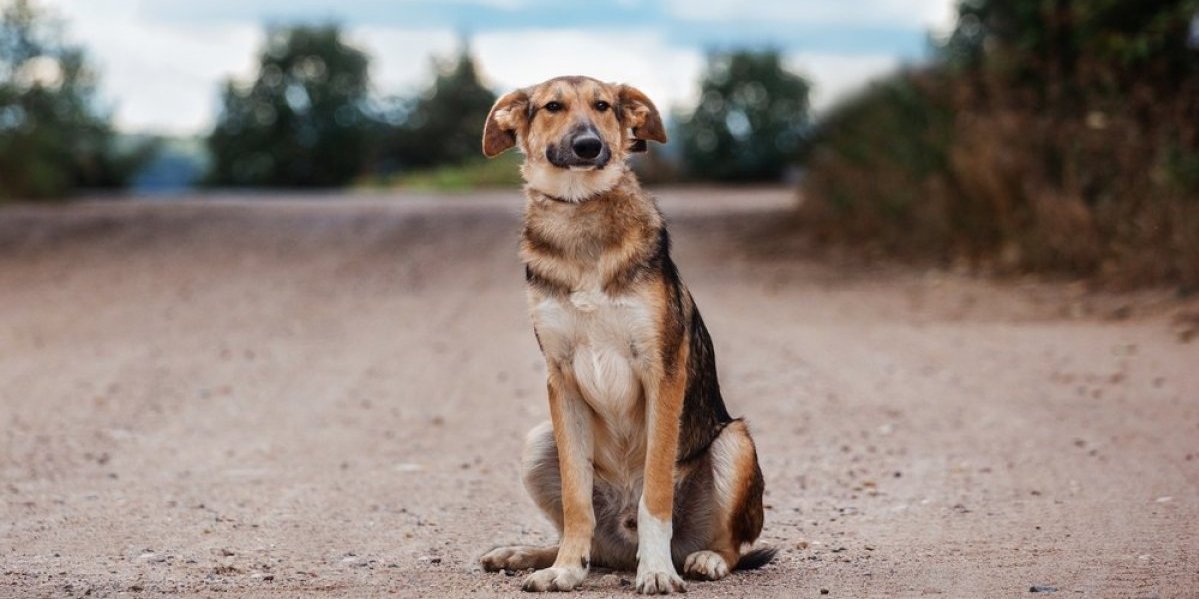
{"x":571,"y":418}
{"x":664,"y":405}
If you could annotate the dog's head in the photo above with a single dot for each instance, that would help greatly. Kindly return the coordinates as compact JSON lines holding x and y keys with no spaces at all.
{"x":575,"y":133}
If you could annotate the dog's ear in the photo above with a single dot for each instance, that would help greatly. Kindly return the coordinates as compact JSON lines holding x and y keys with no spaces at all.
{"x":639,"y":114}
{"x":509,"y":117}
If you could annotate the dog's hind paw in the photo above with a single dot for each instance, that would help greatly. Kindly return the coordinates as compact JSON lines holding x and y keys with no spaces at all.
{"x":555,"y":579}
{"x":705,"y":565}
{"x":517,"y":557}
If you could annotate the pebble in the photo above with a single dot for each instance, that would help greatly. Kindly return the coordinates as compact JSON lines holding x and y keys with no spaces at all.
{"x":1042,"y":588}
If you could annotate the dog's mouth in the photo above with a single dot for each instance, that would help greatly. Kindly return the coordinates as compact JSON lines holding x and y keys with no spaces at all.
{"x":579,"y":155}
{"x":568,"y":160}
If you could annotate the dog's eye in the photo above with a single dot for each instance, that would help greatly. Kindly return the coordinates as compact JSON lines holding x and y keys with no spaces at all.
{"x":601,"y":106}
{"x":553,"y":106}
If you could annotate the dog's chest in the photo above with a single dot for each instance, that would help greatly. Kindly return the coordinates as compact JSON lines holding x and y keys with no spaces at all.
{"x":603,"y":340}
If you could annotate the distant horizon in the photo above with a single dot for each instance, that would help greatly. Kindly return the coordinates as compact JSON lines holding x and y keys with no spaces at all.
{"x":161,"y":63}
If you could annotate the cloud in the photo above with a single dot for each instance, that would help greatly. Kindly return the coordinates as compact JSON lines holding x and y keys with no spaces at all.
{"x":914,"y":13}
{"x":835,"y":76}
{"x":668,"y":74}
{"x":159,"y":76}
{"x":401,"y":58}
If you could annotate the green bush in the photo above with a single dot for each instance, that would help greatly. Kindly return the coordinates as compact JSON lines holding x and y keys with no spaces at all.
{"x":52,"y":138}
{"x":301,"y":121}
{"x":476,"y":173}
{"x":1050,"y":136}
{"x":750,"y":121}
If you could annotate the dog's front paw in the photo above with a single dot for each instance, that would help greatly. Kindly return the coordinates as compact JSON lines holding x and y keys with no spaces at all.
{"x":555,"y":579}
{"x":705,"y":565}
{"x":660,"y":582}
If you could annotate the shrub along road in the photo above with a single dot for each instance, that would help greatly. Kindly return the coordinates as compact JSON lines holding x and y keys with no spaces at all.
{"x":281,"y":396}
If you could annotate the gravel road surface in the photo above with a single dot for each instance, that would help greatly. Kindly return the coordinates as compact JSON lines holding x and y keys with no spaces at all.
{"x":327,"y":396}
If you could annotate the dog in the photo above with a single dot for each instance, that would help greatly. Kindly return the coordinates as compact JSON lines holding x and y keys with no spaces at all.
{"x":640,"y":464}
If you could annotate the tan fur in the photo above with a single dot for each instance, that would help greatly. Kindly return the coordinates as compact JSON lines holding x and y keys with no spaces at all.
{"x":615,"y":329}
{"x":666,"y":406}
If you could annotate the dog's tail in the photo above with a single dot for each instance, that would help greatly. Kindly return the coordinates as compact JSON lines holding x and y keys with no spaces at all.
{"x":756,"y":558}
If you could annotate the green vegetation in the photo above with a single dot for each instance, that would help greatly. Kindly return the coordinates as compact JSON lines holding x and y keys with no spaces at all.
{"x":1050,"y":136}
{"x":750,"y":120}
{"x":306,"y":120}
{"x":53,"y":138}
{"x":301,"y":121}
{"x":475,"y":173}
{"x":440,"y":126}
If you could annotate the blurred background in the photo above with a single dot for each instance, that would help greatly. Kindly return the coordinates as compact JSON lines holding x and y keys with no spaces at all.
{"x":1042,"y":135}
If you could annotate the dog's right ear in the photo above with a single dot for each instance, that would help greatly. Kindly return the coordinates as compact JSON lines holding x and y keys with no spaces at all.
{"x":508,"y":118}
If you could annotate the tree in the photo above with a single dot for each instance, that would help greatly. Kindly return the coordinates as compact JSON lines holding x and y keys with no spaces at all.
{"x":750,"y":120}
{"x":1048,"y":135}
{"x":301,"y":122}
{"x":52,"y":136}
{"x":442,"y":124}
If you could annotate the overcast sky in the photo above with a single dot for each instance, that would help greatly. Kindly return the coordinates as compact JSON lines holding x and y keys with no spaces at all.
{"x":162,"y":60}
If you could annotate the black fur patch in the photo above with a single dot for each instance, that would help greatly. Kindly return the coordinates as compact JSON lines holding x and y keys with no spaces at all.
{"x":639,"y":269}
{"x":756,"y":558}
{"x":545,"y":284}
{"x":541,"y":244}
{"x":704,"y":414}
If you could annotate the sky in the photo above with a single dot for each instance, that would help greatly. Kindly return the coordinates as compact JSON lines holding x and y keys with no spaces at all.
{"x":162,"y":61}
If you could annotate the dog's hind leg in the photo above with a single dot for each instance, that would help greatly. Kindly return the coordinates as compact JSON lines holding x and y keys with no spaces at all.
{"x":614,"y":545}
{"x":539,"y":471}
{"x":737,"y":494}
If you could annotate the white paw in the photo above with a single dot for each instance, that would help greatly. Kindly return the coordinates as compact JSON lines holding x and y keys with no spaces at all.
{"x":516,"y":557}
{"x":660,"y":582}
{"x":705,"y":565}
{"x":555,"y":579}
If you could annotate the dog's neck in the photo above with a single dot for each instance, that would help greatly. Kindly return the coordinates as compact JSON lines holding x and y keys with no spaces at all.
{"x":585,"y":229}
{"x":571,"y":186}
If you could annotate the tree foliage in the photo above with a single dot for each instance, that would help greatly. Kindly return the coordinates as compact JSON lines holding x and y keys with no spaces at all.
{"x":1049,"y":135}
{"x":750,"y":121}
{"x":440,"y":125}
{"x":302,"y":121}
{"x":53,"y":138}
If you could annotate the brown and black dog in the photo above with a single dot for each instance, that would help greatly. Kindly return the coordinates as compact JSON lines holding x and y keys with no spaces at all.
{"x":641,"y":464}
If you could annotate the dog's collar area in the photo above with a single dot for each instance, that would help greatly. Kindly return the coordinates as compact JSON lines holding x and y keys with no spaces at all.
{"x":560,"y":200}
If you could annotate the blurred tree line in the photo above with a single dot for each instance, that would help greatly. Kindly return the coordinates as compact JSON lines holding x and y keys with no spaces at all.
{"x":308,"y":118}
{"x":53,"y":135}
{"x":750,"y":121}
{"x":1048,"y":135}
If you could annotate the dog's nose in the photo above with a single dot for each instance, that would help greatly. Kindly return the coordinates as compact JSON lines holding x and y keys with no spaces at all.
{"x":587,"y":146}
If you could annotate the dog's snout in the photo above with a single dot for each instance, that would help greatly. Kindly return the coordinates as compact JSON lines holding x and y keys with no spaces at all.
{"x":587,"y":146}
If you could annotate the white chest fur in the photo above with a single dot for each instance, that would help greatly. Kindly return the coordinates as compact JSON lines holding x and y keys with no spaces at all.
{"x":601,"y":339}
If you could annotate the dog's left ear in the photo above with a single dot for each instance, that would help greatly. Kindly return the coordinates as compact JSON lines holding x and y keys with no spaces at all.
{"x":508,"y":117}
{"x":639,"y":114}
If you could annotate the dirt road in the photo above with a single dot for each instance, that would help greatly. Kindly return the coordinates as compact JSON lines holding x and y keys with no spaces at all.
{"x":234,"y":397}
